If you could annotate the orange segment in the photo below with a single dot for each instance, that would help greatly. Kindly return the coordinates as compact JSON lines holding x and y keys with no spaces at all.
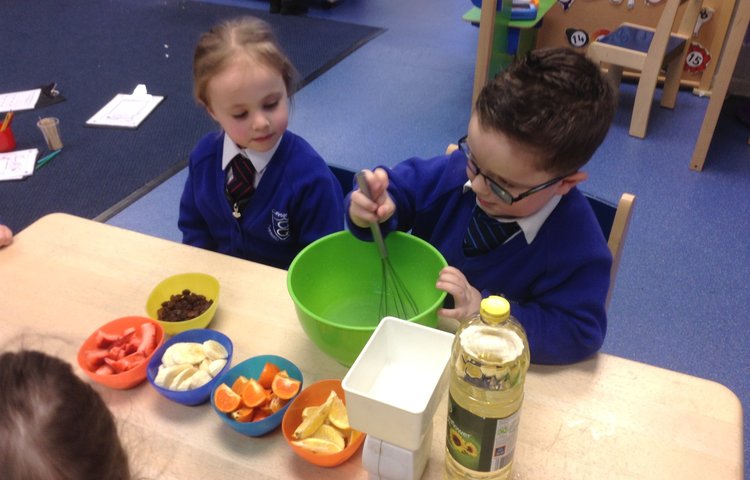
{"x":276,"y":403}
{"x":243,"y":414}
{"x":266,"y":376}
{"x":261,"y":413}
{"x":285,"y":387}
{"x":254,"y":394}
{"x":225,"y":399}
{"x":239,"y":385}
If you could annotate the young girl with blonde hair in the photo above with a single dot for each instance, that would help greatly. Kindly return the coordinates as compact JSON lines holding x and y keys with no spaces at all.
{"x":254,"y":190}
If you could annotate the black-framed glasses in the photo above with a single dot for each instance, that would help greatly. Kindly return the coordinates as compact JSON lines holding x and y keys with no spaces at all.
{"x":499,"y":191}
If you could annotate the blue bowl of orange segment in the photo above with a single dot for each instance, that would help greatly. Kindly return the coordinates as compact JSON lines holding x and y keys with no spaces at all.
{"x":254,"y":394}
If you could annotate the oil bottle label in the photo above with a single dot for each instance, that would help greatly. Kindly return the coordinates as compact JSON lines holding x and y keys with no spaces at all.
{"x":478,"y":443}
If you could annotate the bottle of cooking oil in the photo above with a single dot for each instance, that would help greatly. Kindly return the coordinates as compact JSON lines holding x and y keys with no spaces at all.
{"x":487,"y":371}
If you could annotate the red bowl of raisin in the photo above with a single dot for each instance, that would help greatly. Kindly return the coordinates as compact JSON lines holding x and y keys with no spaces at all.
{"x":184,"y":302}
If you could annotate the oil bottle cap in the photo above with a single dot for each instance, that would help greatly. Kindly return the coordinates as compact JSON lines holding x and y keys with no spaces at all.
{"x":494,"y":309}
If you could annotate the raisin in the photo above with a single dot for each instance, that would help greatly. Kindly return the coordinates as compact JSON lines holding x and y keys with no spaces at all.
{"x":183,"y":306}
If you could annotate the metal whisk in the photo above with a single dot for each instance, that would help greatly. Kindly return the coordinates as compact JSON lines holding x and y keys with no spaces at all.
{"x":395,"y":299}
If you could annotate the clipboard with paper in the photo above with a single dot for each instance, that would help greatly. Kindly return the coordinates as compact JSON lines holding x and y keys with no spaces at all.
{"x":18,"y":164}
{"x":126,"y":110}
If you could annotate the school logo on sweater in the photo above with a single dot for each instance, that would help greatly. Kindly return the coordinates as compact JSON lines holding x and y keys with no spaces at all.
{"x":279,"y":228}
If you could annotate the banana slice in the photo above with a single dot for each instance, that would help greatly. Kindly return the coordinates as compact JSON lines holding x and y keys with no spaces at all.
{"x":189,"y":365}
{"x":185,"y":384}
{"x":180,"y":378}
{"x":186,"y":352}
{"x":205,"y":364}
{"x":199,"y":378}
{"x":166,"y":358}
{"x":167,"y":373}
{"x":214,"y":350}
{"x":215,"y":366}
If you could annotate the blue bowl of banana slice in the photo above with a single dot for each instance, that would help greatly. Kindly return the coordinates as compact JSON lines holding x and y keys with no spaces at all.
{"x":186,"y":368}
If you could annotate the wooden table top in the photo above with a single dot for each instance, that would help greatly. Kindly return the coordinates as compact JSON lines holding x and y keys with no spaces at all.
{"x":605,"y":418}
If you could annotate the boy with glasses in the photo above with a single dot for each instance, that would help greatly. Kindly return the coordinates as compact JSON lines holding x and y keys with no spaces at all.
{"x":504,"y":208}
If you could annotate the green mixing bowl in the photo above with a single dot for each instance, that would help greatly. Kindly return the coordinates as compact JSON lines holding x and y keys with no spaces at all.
{"x":336,"y":283}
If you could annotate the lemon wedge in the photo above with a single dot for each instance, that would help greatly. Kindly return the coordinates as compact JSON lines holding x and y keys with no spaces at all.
{"x":331,"y":434}
{"x":337,"y":415}
{"x":318,"y":445}
{"x":311,"y":423}
{"x":317,"y":416}
{"x":353,"y":436}
{"x":307,"y":411}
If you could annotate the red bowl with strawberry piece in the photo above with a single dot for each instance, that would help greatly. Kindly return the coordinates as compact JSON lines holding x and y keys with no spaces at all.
{"x":117,"y":353}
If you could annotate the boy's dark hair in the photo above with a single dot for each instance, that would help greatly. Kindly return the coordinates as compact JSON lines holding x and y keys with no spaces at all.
{"x":53,"y":425}
{"x":555,"y":102}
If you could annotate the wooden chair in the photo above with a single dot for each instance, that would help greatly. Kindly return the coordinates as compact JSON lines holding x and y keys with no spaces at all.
{"x":727,"y":61}
{"x":613,"y":219}
{"x":646,"y":50}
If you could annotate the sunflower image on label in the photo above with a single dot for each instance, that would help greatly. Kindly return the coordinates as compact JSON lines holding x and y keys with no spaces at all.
{"x":478,"y":443}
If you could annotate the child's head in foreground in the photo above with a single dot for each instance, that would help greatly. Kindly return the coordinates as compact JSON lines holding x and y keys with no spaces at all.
{"x":244,"y":79}
{"x":54,"y":426}
{"x":533,"y":127}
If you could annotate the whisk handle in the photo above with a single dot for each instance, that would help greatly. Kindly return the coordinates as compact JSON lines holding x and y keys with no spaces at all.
{"x":377,"y":234}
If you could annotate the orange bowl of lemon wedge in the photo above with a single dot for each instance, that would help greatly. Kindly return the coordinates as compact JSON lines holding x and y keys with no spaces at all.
{"x":316,"y":425}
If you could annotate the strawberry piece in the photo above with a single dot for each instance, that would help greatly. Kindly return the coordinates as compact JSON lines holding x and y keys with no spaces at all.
{"x":104,"y":339}
{"x":95,"y":358}
{"x":126,"y":337}
{"x":104,"y":370}
{"x":148,"y":339}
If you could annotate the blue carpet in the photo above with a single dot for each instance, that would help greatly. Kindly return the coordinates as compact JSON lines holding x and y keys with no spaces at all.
{"x":95,"y":49}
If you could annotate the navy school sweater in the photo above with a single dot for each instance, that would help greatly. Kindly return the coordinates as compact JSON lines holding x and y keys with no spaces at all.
{"x":297,"y":201}
{"x":557,"y":285}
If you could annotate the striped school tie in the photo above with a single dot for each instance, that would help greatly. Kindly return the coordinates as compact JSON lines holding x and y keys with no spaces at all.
{"x":240,"y":185}
{"x":485,"y":233}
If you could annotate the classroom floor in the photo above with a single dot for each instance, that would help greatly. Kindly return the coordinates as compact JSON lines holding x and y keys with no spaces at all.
{"x":681,"y":300}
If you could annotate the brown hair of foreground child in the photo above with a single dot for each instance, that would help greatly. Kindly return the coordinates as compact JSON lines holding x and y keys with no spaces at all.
{"x":53,"y":425}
